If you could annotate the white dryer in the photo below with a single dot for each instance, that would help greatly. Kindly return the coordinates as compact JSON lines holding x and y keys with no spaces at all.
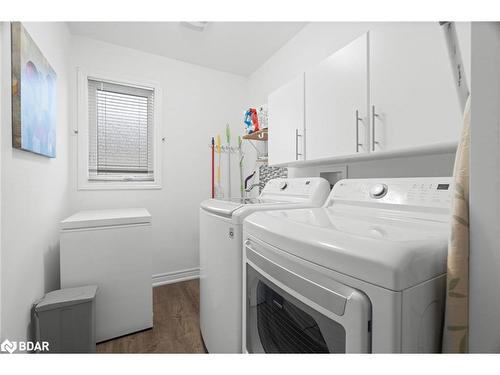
{"x":221,"y":258}
{"x":364,"y":273}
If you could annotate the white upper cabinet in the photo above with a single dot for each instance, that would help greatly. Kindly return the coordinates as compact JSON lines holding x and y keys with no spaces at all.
{"x":390,"y":89}
{"x":413,"y":96}
{"x":286,"y":122}
{"x":336,"y":98}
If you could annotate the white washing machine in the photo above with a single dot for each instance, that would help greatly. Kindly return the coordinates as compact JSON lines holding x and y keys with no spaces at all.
{"x":221,"y":249}
{"x":364,"y":273}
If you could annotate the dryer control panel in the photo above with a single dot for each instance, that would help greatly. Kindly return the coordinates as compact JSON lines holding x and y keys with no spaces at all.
{"x":425,"y":192}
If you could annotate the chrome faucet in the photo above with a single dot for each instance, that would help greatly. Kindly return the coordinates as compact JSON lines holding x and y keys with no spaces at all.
{"x":249,"y":189}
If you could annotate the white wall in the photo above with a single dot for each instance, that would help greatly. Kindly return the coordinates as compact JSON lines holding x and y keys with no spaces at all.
{"x":1,"y":103}
{"x":34,"y":192}
{"x":484,"y":302}
{"x":315,"y":42}
{"x":197,"y":102}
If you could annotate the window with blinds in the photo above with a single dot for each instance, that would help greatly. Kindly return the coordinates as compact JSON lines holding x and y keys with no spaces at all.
{"x":120,"y":132}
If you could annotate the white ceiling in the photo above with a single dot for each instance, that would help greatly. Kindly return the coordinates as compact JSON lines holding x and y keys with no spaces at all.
{"x":235,"y":47}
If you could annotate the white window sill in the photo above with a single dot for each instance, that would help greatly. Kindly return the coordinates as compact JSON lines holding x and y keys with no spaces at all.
{"x":119,"y":185}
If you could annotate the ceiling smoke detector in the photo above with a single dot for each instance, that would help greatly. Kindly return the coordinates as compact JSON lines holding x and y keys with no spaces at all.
{"x":198,"y":26}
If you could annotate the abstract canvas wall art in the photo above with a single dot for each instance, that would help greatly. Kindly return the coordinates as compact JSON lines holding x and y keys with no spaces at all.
{"x":33,"y":96}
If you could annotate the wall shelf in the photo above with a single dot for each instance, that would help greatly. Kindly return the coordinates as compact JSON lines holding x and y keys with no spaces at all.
{"x":434,"y":149}
{"x":261,"y":135}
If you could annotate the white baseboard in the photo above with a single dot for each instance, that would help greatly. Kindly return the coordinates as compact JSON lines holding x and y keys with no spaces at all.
{"x":176,"y":276}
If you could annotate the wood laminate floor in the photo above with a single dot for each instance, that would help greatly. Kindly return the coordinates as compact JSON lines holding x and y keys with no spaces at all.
{"x":176,"y":324}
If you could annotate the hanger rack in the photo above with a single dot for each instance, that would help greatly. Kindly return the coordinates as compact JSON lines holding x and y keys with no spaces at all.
{"x":227,"y":149}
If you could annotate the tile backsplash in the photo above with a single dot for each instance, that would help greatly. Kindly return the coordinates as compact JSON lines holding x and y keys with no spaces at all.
{"x":267,"y":173}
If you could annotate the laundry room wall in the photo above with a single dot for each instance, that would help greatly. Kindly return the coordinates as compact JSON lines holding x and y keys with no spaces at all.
{"x":197,"y":102}
{"x":312,"y":44}
{"x":1,"y":120}
{"x":34,"y":192}
{"x":484,"y":220}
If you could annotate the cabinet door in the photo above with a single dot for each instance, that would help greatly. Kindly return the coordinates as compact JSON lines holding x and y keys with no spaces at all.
{"x":337,"y":103}
{"x":413,"y":95}
{"x":286,"y":122}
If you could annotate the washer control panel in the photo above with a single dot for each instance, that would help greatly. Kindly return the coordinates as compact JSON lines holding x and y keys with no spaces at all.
{"x":378,"y":191}
{"x":427,"y":192}
{"x":295,"y":186}
{"x":283,"y":185}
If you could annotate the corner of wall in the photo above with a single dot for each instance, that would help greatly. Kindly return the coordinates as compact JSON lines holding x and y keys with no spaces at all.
{"x":1,"y":240}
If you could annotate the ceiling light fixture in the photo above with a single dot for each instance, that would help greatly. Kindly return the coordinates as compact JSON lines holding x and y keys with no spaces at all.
{"x":198,"y":26}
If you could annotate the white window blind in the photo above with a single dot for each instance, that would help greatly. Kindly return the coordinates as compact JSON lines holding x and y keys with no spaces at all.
{"x":120,"y":132}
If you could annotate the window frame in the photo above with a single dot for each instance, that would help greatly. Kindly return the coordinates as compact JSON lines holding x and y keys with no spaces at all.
{"x":85,"y":182}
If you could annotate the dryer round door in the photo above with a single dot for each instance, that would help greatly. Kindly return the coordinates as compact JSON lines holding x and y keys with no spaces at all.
{"x":289,"y":313}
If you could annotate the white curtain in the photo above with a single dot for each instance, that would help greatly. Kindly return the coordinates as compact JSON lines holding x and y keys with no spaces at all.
{"x":456,"y":328}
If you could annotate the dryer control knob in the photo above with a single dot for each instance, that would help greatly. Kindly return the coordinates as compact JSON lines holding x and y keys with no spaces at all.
{"x":283,"y":185}
{"x":378,"y":191}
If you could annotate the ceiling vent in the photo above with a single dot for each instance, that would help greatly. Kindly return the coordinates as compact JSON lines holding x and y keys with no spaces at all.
{"x":198,"y":26}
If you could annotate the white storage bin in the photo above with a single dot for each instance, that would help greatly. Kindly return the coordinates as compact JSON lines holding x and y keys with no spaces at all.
{"x":111,"y":249}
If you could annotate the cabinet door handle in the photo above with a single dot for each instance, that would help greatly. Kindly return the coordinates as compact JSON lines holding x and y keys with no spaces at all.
{"x":374,"y":115}
{"x":297,"y":135}
{"x":358,"y":119}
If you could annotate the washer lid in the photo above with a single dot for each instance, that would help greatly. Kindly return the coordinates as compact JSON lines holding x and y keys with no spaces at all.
{"x":221,"y":207}
{"x":226,"y":207}
{"x":394,"y":250}
{"x":279,"y":193}
{"x":106,"y":218}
